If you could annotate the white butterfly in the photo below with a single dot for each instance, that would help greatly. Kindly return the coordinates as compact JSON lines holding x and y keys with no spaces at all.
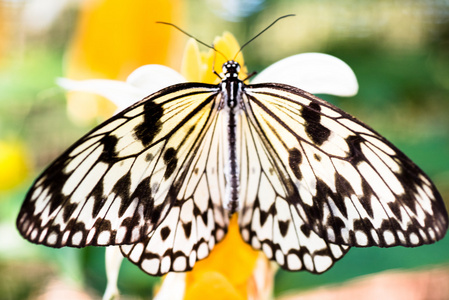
{"x":162,"y":178}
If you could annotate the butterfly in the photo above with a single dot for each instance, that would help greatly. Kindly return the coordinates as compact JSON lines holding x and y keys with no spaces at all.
{"x":162,"y":178}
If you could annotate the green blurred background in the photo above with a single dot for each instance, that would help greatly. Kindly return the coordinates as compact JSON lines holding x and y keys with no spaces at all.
{"x":399,"y":51}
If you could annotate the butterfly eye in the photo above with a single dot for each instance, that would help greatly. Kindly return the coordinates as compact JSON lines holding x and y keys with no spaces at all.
{"x":231,"y":68}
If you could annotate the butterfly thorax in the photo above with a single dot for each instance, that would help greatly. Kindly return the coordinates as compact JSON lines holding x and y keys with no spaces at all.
{"x":231,"y":89}
{"x":231,"y":84}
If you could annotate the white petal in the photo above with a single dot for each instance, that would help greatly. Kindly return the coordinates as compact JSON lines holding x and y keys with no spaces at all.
{"x":152,"y":78}
{"x":142,"y":82}
{"x":119,"y":92}
{"x":173,"y":287}
{"x":263,"y":277}
{"x":113,"y":259}
{"x":315,"y":73}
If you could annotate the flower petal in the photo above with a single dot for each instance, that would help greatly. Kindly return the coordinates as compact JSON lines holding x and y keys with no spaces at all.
{"x":14,"y":164}
{"x":102,"y":49}
{"x":237,"y":272}
{"x":114,"y":259}
{"x":152,"y":78}
{"x":213,"y":285}
{"x":315,"y":73}
{"x":142,"y":82}
{"x":191,"y":66}
{"x":173,"y":287}
{"x":119,"y":92}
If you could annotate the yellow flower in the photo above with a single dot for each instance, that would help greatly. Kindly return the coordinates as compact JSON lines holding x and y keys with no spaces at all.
{"x":233,"y":270}
{"x":112,"y":39}
{"x":14,"y":164}
{"x":197,"y":66}
{"x":228,"y":271}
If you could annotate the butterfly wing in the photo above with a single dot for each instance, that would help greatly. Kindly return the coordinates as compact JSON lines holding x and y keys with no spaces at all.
{"x":194,"y":225}
{"x":117,"y":184}
{"x":347,"y":184}
{"x":314,"y":181}
{"x":269,"y":220}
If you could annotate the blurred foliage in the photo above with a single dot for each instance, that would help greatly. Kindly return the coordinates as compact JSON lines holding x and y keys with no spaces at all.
{"x":399,"y":51}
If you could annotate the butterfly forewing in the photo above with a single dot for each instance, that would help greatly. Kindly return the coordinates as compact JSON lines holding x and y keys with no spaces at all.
{"x":354,"y":187}
{"x":116,"y":184}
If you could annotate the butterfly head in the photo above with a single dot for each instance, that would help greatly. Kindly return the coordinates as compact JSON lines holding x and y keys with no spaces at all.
{"x":231,"y":69}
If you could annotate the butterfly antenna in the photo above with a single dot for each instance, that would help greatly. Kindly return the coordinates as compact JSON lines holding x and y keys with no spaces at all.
{"x":244,"y":45}
{"x":189,"y":35}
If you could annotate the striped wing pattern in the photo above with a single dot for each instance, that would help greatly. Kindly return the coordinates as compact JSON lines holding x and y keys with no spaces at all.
{"x":119,"y":182}
{"x":314,"y":181}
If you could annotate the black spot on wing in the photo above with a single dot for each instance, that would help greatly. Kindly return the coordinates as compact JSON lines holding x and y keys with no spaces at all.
{"x":153,"y":213}
{"x":306,"y":230}
{"x":355,"y":151}
{"x":187,"y":229}
{"x":149,"y":157}
{"x":294,"y":160}
{"x":317,"y":132}
{"x":344,"y":188}
{"x":109,"y":154}
{"x":265,"y":214}
{"x":121,"y":189}
{"x":365,"y":200}
{"x":68,"y":210}
{"x":151,"y":124}
{"x":283,"y":227}
{"x":99,"y":199}
{"x":170,"y":161}
{"x":165,"y":232}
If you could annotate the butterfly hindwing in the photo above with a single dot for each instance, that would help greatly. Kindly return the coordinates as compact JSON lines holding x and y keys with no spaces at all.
{"x":354,"y":187}
{"x":269,"y":219}
{"x":190,"y":230}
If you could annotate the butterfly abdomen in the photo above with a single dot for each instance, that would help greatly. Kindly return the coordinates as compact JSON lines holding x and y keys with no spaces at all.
{"x":232,"y":169}
{"x":232,"y":93}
